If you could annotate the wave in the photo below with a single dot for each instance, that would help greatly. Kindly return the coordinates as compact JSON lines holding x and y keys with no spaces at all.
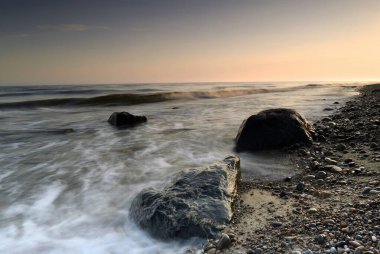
{"x":7,"y":133}
{"x":132,"y":99}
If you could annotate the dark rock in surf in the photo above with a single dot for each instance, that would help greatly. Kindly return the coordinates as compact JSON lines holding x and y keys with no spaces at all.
{"x":125,"y":119}
{"x":196,"y":204}
{"x":273,"y":129}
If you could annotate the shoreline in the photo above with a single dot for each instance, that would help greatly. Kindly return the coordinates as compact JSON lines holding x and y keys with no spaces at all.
{"x":332,"y":205}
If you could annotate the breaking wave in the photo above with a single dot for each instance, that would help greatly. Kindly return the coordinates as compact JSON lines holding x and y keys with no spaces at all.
{"x":133,"y":99}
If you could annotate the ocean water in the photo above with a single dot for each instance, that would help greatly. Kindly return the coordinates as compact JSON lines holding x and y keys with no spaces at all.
{"x":69,"y":192}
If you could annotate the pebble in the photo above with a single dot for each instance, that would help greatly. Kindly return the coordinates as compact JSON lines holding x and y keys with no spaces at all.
{"x":276,"y":224}
{"x":340,"y":147}
{"x":359,"y":250}
{"x":366,"y":190}
{"x":309,"y":177}
{"x":329,"y":222}
{"x":224,"y":242}
{"x":334,"y":168}
{"x":320,"y":175}
{"x":320,"y":238}
{"x":258,"y":251}
{"x":374,"y":192}
{"x":324,"y":194}
{"x":283,"y":194}
{"x":312,"y":210}
{"x":373,"y":238}
{"x":331,"y":161}
{"x":354,"y":243}
{"x":333,"y":250}
{"x":300,"y":186}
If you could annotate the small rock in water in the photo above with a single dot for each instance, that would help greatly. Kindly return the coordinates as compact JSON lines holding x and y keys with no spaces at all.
{"x":223,"y":242}
{"x":125,"y":119}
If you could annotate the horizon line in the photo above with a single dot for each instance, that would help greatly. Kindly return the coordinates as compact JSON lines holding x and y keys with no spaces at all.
{"x":188,"y":82}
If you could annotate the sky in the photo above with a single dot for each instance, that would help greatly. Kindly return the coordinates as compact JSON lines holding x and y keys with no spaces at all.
{"x":137,"y":41}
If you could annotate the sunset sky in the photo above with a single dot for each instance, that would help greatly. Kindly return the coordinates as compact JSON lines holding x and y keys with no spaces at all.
{"x":124,"y":41}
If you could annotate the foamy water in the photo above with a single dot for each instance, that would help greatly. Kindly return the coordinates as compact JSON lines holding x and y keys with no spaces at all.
{"x":70,"y":192}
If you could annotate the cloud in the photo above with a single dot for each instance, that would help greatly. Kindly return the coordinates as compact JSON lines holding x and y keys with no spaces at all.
{"x":72,"y":27}
{"x":15,"y":36}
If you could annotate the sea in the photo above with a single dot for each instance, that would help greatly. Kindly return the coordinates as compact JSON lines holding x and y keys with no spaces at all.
{"x":67,"y":177}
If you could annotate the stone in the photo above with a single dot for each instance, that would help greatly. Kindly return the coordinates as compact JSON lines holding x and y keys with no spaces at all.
{"x":321,"y":238}
{"x":276,"y":224}
{"x":196,"y":204}
{"x":354,"y":243}
{"x":309,"y":177}
{"x":224,"y":242}
{"x":273,"y":129}
{"x":324,"y":194}
{"x":312,"y":210}
{"x":333,"y":250}
{"x":331,"y":161}
{"x":300,"y":186}
{"x":359,"y":250}
{"x":341,"y":147}
{"x":125,"y":119}
{"x":366,"y":190}
{"x":320,"y":175}
{"x":333,"y":168}
{"x":374,"y":192}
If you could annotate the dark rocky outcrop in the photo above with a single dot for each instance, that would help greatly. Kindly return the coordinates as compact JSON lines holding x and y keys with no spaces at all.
{"x":125,"y":119}
{"x":273,"y":129}
{"x":197,"y":203}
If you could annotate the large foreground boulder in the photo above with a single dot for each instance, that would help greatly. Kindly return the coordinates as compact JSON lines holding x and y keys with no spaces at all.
{"x":125,"y":119}
{"x":273,"y":129}
{"x":196,"y":204}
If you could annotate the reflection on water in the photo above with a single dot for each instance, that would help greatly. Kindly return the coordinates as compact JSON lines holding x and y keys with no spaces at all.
{"x":69,"y":192}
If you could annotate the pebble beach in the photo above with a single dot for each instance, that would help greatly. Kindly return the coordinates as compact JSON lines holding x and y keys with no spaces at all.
{"x":332,"y":205}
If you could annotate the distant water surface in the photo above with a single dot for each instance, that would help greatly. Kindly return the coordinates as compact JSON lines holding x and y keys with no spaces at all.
{"x":69,"y":192}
